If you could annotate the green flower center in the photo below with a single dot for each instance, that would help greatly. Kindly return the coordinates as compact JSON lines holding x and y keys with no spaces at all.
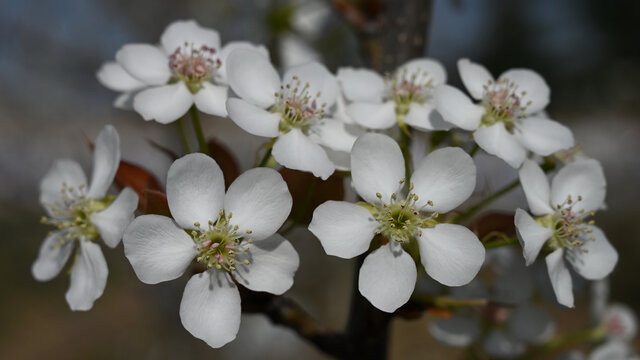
{"x":569,"y":227}
{"x":410,"y":88}
{"x":193,"y":66}
{"x":297,"y":106}
{"x":503,"y":103}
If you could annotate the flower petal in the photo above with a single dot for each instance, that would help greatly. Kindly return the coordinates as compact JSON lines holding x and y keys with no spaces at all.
{"x":272,"y":264}
{"x":373,"y":116}
{"x":333,"y":134}
{"x":456,"y":107}
{"x":195,"y":190}
{"x":543,"y":136}
{"x":182,"y":32}
{"x":145,"y":62}
{"x":157,"y":248}
{"x":560,"y":278}
{"x":532,"y":324}
{"x":210,"y":308}
{"x":474,"y":77}
{"x":496,"y":140}
{"x":502,"y":345}
{"x":596,"y":258}
{"x":319,"y":79}
{"x":164,"y":104}
{"x":424,"y":117}
{"x":361,"y":85}
{"x":253,"y":119}
{"x":377,"y":166}
{"x":344,"y":229}
{"x":583,"y":178}
{"x":88,"y":277}
{"x":451,"y":254}
{"x":423,"y":71}
{"x":259,"y":201}
{"x":610,"y":350}
{"x":106,"y":160}
{"x":446,"y":177}
{"x":295,"y":150}
{"x":112,"y":221}
{"x":387,"y":277}
{"x":455,"y":331}
{"x":536,"y":188}
{"x":532,"y":236}
{"x":63,"y":173}
{"x":211,"y":99}
{"x":113,"y":76}
{"x":536,"y":91}
{"x":54,"y":253}
{"x":221,"y":73}
{"x":252,"y":77}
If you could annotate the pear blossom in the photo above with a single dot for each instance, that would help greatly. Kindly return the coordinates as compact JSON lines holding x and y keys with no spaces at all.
{"x":404,"y":213}
{"x":162,"y":82}
{"x":83,"y":214}
{"x":508,"y":119}
{"x":376,"y":103}
{"x":559,"y":224}
{"x":233,"y":235}
{"x":295,"y":110}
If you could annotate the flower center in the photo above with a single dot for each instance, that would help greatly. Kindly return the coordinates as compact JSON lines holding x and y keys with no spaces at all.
{"x":503,"y":102}
{"x":219,"y":243}
{"x":297,"y":106}
{"x":407,"y":88}
{"x":193,"y":66}
{"x":568,"y":226}
{"x":73,"y":213}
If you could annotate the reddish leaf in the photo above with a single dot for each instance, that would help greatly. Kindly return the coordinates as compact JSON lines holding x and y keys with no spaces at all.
{"x":502,"y":222}
{"x":137,"y":178}
{"x":309,"y":191}
{"x":154,"y":202}
{"x":225,"y":160}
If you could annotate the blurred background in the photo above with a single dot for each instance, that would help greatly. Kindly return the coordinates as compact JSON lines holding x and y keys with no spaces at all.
{"x":49,"y":53}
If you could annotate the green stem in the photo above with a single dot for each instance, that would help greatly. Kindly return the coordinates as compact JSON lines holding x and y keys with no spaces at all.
{"x":563,"y":341}
{"x":405,"y":139}
{"x":474,"y":150}
{"x":197,"y":126}
{"x":265,"y":158}
{"x":499,"y":243}
{"x":183,"y":136}
{"x":477,"y":207}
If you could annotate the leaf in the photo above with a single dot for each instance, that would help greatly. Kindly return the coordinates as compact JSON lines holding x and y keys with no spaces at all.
{"x":309,"y":191}
{"x":225,"y":160}
{"x":494,"y":222}
{"x":154,"y":202}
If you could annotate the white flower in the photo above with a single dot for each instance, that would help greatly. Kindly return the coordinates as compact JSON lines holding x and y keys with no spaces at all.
{"x":293,"y":110}
{"x":188,"y":67}
{"x":218,"y":231}
{"x":507,"y":120}
{"x":577,"y":190}
{"x":378,"y":104}
{"x":82,"y":215}
{"x":451,"y":254}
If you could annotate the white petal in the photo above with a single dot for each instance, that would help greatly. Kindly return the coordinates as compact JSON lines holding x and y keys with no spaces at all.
{"x":124,"y":101}
{"x":63,"y":172}
{"x":373,"y":116}
{"x":106,"y":160}
{"x":195,"y":190}
{"x":113,"y":76}
{"x":543,"y":136}
{"x":258,"y":200}
{"x":211,"y":99}
{"x":531,"y":324}
{"x":210,"y":308}
{"x":424,"y":117}
{"x":500,"y":344}
{"x":145,"y":62}
{"x":252,"y":77}
{"x":451,"y":254}
{"x":596,"y":258}
{"x":361,"y":85}
{"x":164,"y":104}
{"x":474,"y":77}
{"x":455,"y":331}
{"x":340,"y":159}
{"x":536,"y":188}
{"x":612,"y":350}
{"x":621,"y":322}
{"x":456,"y":107}
{"x":423,"y":71}
{"x":560,"y":278}
{"x":253,"y":119}
{"x":112,"y":221}
{"x":320,"y":81}
{"x":295,"y":150}
{"x":531,"y":235}
{"x":221,"y":73}
{"x":333,"y":134}
{"x":536,"y":89}
{"x":446,"y":177}
{"x":272,"y":264}
{"x":496,"y":140}
{"x":54,"y":253}
{"x":188,"y":31}
{"x":583,"y":178}
{"x":387,"y":277}
{"x":344,"y":229}
{"x":157,"y":248}
{"x":88,"y":277}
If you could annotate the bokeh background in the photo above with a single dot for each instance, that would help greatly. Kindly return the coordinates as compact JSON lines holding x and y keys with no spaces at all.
{"x":50,"y":100}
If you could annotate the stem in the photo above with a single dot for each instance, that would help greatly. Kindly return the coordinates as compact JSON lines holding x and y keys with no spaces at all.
{"x":477,"y":207}
{"x":197,"y":126}
{"x":265,"y":158}
{"x":405,"y":139}
{"x":183,"y":136}
{"x":474,"y":150}
{"x":499,"y":243}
